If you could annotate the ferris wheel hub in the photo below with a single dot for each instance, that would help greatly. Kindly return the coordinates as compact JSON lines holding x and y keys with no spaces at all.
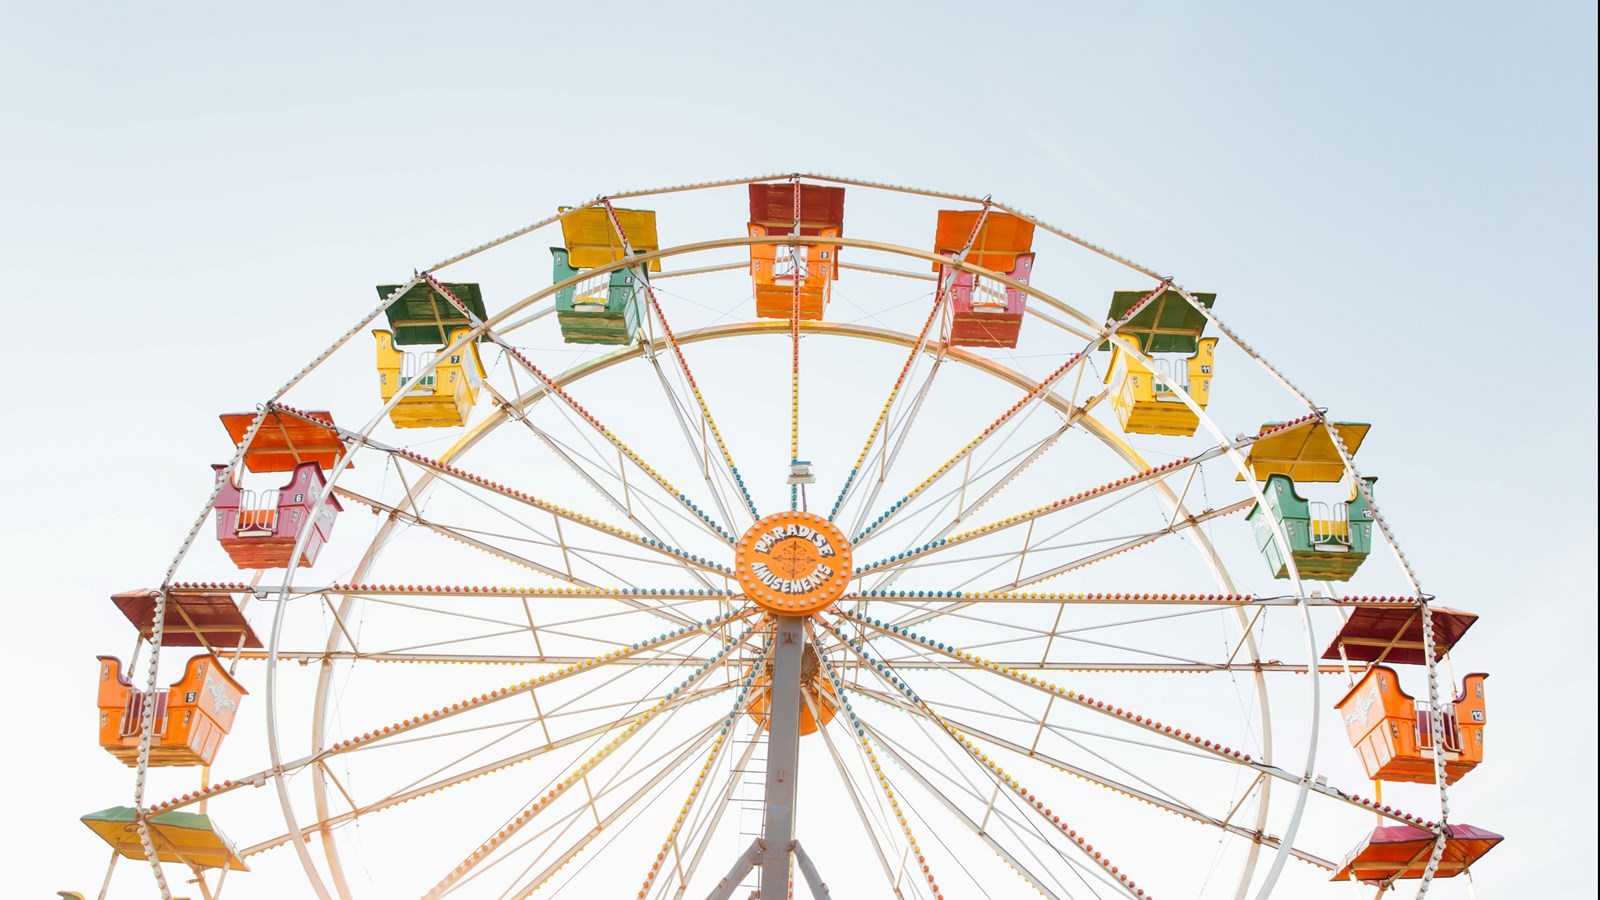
{"x":793,"y":563}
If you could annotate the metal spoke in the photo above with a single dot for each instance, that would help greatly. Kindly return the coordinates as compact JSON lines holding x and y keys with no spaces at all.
{"x":532,"y":809}
{"x":516,"y":411}
{"x":683,"y":366}
{"x":457,"y":476}
{"x":669,"y":847}
{"x":1009,"y":783}
{"x":867,"y":824}
{"x":640,"y":464}
{"x":679,"y":754}
{"x":1138,"y":482}
{"x":1123,"y":547}
{"x":1187,"y":741}
{"x":940,"y":299}
{"x":713,"y":817}
{"x":1028,"y":399}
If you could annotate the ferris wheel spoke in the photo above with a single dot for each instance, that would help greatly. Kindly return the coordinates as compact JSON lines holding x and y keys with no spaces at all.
{"x":416,"y":790}
{"x":1027,"y":402}
{"x":956,"y":496}
{"x":1162,"y":800}
{"x":1119,"y":491}
{"x":1066,"y":636}
{"x":794,"y":360}
{"x":570,"y":551}
{"x":544,"y":718}
{"x":1074,"y":634}
{"x":521,"y":724}
{"x":594,"y":423}
{"x":666,"y":763}
{"x":408,"y":652}
{"x":1190,"y":744}
{"x":936,"y":652}
{"x":1008,"y":782}
{"x":1039,"y":449}
{"x":926,"y":710}
{"x":1018,"y":829}
{"x":1030,"y":820}
{"x":1123,"y":546}
{"x":455,"y":641}
{"x":683,"y":369}
{"x":697,"y":449}
{"x":895,"y":435}
{"x":636,"y":505}
{"x":661,"y":603}
{"x":947,"y":768}
{"x":1055,"y":630}
{"x":455,"y":475}
{"x":671,"y":771}
{"x":642,"y":503}
{"x":941,"y":795}
{"x":532,"y":809}
{"x":868,"y":824}
{"x":953,"y":497}
{"x":884,"y":786}
{"x":398,"y":797}
{"x":454,"y":534}
{"x":486,"y":659}
{"x":701,"y":836}
{"x":517,"y":411}
{"x":670,"y":847}
{"x":527,"y":685}
{"x":885,"y":416}
{"x":909,"y":766}
{"x":475,"y":543}
{"x":919,"y":705}
{"x":1133,"y":543}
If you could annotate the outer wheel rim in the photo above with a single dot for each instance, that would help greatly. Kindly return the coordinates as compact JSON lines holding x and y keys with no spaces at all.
{"x":289,"y":574}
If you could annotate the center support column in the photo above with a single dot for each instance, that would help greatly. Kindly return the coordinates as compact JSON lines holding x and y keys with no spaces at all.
{"x":783,"y":755}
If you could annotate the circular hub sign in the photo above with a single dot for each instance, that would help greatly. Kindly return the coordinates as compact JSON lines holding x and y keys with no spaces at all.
{"x":793,"y":563}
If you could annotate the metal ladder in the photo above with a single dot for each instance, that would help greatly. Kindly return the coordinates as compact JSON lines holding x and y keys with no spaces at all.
{"x":752,"y":794}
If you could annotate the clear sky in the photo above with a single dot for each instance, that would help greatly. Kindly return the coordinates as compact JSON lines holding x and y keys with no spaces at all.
{"x":1397,"y":200}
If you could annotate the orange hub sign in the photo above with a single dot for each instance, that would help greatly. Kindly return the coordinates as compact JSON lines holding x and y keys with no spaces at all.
{"x":793,"y":563}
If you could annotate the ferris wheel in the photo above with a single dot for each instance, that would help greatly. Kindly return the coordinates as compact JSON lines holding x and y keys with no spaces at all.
{"x":720,"y":551}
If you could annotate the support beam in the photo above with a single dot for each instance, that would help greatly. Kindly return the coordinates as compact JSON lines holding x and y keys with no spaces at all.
{"x":741,"y":867}
{"x":783,"y":755}
{"x":808,"y":869}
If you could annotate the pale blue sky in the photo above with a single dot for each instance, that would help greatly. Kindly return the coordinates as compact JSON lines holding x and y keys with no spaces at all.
{"x":1397,"y":203}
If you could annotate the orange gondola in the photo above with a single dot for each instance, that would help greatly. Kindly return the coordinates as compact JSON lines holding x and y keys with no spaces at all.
{"x":777,"y":270}
{"x":191,"y":717}
{"x":1393,"y":732}
{"x":816,"y":693}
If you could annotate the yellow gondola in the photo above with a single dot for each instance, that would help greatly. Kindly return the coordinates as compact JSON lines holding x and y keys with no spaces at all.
{"x":442,"y":399}
{"x":1144,"y":399}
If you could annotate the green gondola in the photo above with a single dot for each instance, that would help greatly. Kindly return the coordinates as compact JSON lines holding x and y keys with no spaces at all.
{"x":1328,"y":541}
{"x":596,"y":311}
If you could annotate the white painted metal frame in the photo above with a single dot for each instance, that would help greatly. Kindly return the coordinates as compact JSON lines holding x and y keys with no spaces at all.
{"x":515,"y":408}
